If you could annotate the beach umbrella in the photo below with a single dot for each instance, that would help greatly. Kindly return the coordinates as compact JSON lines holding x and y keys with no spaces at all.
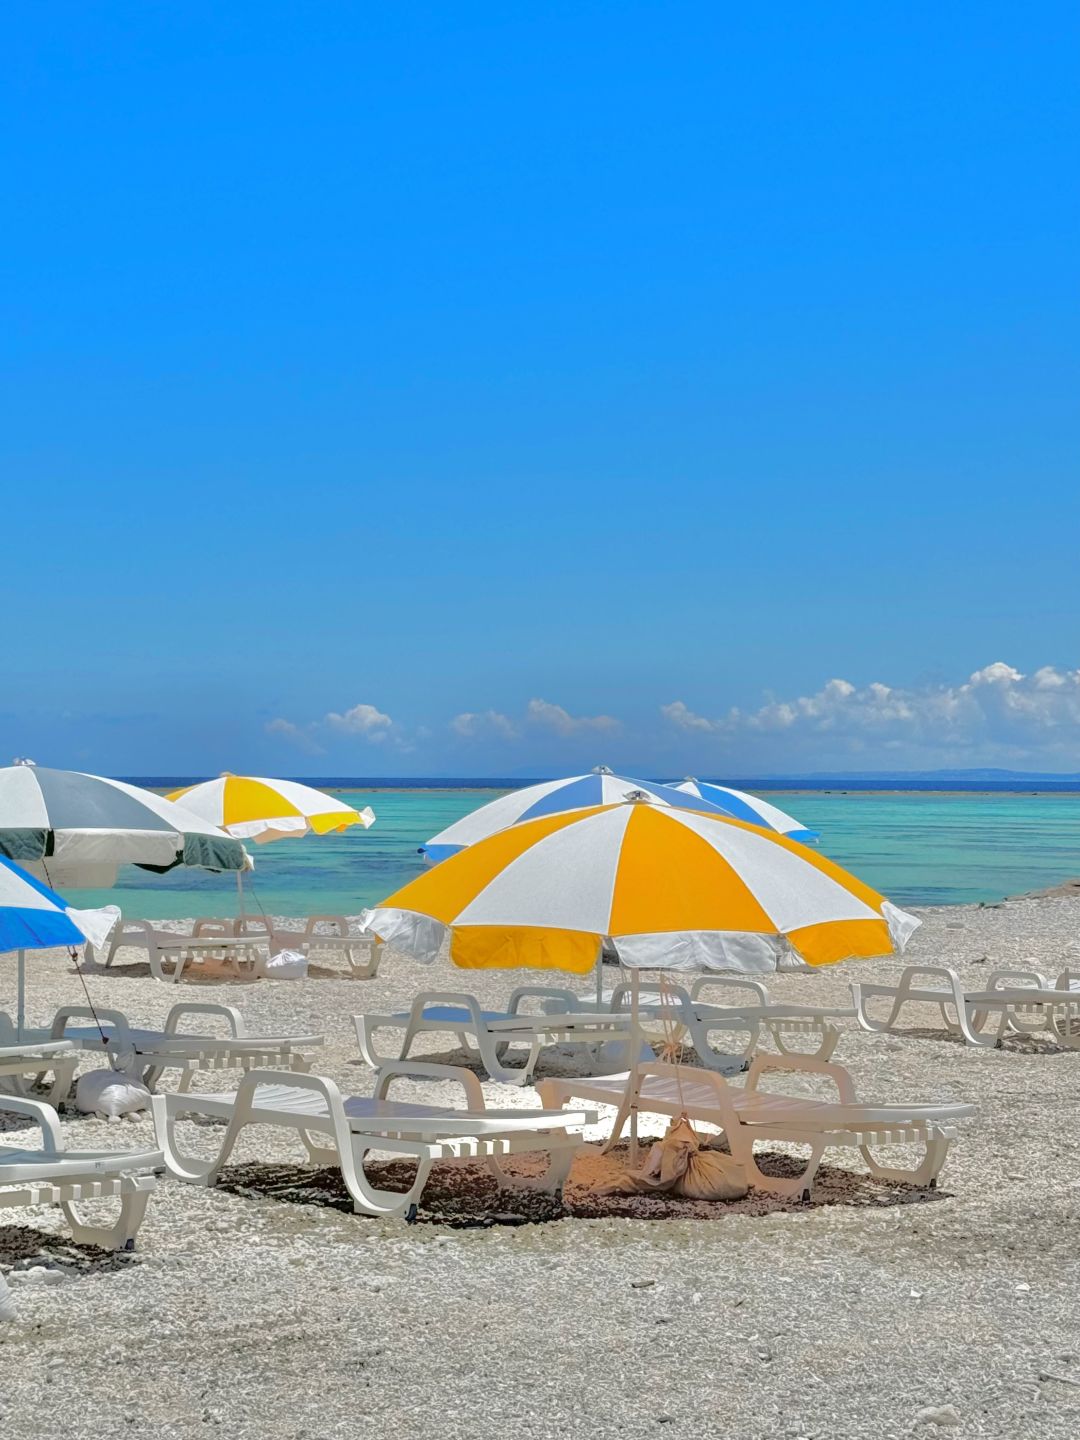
{"x":552,"y":797}
{"x":77,"y":829}
{"x":667,"y":888}
{"x":750,"y":808}
{"x":33,"y":917}
{"x":250,"y":807}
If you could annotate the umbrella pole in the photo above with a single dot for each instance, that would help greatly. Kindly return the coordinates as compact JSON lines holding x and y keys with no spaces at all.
{"x":635,"y":1047}
{"x":240,"y":893}
{"x":20,"y":1012}
{"x":600,"y":979}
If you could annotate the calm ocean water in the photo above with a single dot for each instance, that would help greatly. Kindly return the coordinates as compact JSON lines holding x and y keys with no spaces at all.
{"x":917,"y":847}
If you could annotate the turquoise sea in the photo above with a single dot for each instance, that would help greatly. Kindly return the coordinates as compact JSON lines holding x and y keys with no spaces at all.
{"x":916,"y":847}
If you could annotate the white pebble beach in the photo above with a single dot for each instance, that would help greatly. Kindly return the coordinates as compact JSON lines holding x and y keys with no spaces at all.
{"x":871,"y":1312}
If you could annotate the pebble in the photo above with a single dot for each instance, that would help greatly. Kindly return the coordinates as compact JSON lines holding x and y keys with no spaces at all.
{"x":946,"y":1415}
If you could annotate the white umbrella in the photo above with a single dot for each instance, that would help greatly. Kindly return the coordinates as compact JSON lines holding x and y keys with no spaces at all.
{"x":76,"y":829}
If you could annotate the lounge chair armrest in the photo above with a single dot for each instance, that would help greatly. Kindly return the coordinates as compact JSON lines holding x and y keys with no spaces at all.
{"x":339,"y":922}
{"x":911,"y":973}
{"x":60,"y":1021}
{"x":461,"y":998}
{"x":51,"y":1135}
{"x":762,"y":1063}
{"x":1011,"y":979}
{"x":652,"y":992}
{"x":430,"y":1070}
{"x":253,"y":926}
{"x":204,"y":928}
{"x":235,"y":1020}
{"x":730,"y":982}
{"x":541,"y":992}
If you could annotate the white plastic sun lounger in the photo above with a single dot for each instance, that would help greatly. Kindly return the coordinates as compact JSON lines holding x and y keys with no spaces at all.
{"x":780,"y":1019}
{"x":700,"y":1020}
{"x":747,"y":1115}
{"x":239,"y":957}
{"x":489,"y":1034}
{"x":1014,"y":1001}
{"x":50,"y":1174}
{"x":324,"y":936}
{"x":666,"y":1008}
{"x":173,"y":1048}
{"x":359,"y":1125}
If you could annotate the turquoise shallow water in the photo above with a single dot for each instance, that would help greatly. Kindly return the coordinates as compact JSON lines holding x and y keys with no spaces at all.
{"x":917,"y":848}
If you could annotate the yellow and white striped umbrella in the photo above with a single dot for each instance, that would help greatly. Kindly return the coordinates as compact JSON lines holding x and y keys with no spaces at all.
{"x":252,"y":808}
{"x":672,"y":889}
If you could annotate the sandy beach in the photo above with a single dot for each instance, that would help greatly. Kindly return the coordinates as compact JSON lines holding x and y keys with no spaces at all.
{"x":267,"y":1307}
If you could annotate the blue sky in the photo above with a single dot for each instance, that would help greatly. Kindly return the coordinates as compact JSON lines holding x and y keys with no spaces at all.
{"x":526,"y":386}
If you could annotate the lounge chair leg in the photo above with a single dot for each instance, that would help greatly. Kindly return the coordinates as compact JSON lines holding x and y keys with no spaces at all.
{"x":191,"y":1167}
{"x":550,"y":1182}
{"x":320,"y":1156}
{"x":924,"y":1174}
{"x":367,"y":1198}
{"x":120,"y":1235}
{"x":492,"y":1060}
{"x":365,"y":1039}
{"x":797,"y":1186}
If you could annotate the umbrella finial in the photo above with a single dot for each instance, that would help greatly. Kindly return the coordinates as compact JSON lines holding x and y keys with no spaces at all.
{"x":638,"y":797}
{"x":23,"y":760}
{"x":602,"y":770}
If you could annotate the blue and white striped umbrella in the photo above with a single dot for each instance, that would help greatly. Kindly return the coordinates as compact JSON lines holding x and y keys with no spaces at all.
{"x":552,"y":797}
{"x":746,"y":807}
{"x":33,"y":917}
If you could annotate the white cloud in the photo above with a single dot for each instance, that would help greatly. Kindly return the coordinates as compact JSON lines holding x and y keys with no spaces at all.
{"x":561,"y":722}
{"x":471,"y":723}
{"x":295,"y":735}
{"x":685,"y":719}
{"x":363,"y":720}
{"x":997,"y":714}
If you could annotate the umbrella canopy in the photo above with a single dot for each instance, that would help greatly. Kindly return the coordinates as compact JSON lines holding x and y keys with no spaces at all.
{"x":33,"y":917}
{"x":84,"y":826}
{"x":553,"y":797}
{"x":750,"y":808}
{"x":671,"y":889}
{"x":253,"y":808}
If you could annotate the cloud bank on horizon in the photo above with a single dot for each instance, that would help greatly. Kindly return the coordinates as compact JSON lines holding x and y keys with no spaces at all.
{"x":996,"y":716}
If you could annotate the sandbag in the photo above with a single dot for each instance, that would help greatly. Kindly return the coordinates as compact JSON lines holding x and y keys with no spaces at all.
{"x":286,"y":965}
{"x":679,"y":1165}
{"x":110,"y":1094}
